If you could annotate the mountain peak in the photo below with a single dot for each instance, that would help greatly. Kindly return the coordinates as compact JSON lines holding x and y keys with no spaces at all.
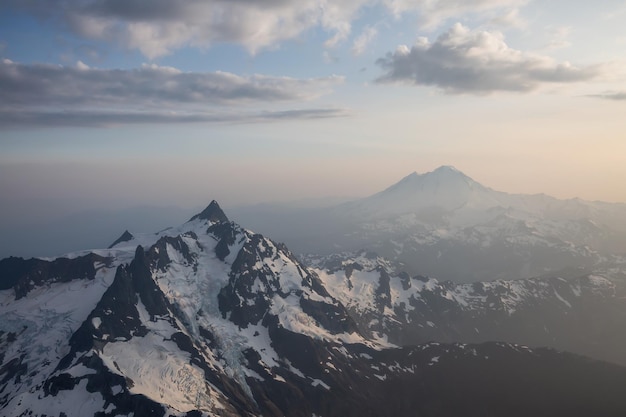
{"x":443,"y":169}
{"x":444,"y":177}
{"x":125,"y":237}
{"x":445,"y":188}
{"x":213,"y":213}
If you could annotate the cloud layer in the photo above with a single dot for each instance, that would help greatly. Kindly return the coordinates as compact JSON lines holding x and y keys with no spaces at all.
{"x":167,"y":25}
{"x":37,"y":94}
{"x":479,"y":62}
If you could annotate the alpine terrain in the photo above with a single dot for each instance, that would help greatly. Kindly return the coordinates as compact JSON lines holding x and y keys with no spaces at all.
{"x":211,"y":319}
{"x":444,"y":224}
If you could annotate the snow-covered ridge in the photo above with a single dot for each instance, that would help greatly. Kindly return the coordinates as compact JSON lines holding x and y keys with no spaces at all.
{"x":355,"y":279}
{"x":394,"y":307}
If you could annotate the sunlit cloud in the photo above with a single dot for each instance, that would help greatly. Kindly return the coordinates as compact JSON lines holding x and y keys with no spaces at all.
{"x":168,"y":25}
{"x":479,"y":62}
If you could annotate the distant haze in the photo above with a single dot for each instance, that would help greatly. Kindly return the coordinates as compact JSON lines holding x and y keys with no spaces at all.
{"x":105,"y":106}
{"x":58,"y":208}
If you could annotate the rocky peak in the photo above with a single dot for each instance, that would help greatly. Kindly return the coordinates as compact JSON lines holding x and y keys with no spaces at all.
{"x":213,"y":213}
{"x":126,"y":236}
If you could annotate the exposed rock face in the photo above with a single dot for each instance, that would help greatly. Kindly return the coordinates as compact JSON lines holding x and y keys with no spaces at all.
{"x":125,"y":237}
{"x":212,"y":213}
{"x":24,"y":275}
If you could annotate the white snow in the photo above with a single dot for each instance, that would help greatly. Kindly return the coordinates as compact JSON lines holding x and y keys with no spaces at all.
{"x":563,"y":300}
{"x":319,"y":382}
{"x":159,"y":370}
{"x":45,"y":321}
{"x":76,"y":402}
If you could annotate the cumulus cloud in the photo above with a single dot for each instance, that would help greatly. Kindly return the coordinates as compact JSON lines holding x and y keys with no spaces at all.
{"x":163,"y":26}
{"x":42,"y":92}
{"x":479,"y":62}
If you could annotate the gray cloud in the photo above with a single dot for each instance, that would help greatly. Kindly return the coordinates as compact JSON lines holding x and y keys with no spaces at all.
{"x":167,"y":25}
{"x":44,"y":94}
{"x":478,"y":62}
{"x":103,"y":118}
{"x":611,"y":95}
{"x":150,"y":85}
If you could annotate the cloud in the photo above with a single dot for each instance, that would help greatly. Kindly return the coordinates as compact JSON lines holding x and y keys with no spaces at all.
{"x":148,"y":86}
{"x":107,"y":118}
{"x":167,"y":25}
{"x":611,"y":95}
{"x":478,"y":62}
{"x":363,"y":40}
{"x":434,"y":12}
{"x":558,"y":37}
{"x":38,"y":93}
{"x":510,"y":19}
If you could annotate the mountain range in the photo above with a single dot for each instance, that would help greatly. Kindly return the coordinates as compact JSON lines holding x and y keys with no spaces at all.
{"x":211,"y":319}
{"x":443,"y":224}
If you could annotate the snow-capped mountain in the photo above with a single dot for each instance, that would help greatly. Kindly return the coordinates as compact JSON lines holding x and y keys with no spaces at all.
{"x":445,"y":224}
{"x":210,"y":319}
{"x":463,"y":202}
{"x":446,"y":190}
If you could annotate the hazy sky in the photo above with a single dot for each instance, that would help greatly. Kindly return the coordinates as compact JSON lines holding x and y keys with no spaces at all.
{"x":115,"y":103}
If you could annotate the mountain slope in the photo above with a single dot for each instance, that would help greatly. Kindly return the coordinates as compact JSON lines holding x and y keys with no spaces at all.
{"x":211,"y":319}
{"x":206,"y":297}
{"x":584,"y":314}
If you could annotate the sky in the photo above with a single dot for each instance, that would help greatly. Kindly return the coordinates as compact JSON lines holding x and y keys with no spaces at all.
{"x":114,"y":104}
